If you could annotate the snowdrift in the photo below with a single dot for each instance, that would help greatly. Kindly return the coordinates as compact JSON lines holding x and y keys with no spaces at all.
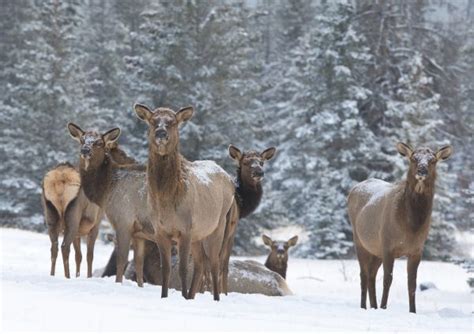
{"x":326,"y":297}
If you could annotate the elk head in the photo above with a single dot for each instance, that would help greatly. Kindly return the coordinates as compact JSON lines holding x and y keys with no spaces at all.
{"x":93,"y":144}
{"x":163,"y":126}
{"x":251,"y":163}
{"x":279,"y":249}
{"x":423,"y":162}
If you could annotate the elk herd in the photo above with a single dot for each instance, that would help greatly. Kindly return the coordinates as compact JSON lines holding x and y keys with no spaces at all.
{"x":194,"y":207}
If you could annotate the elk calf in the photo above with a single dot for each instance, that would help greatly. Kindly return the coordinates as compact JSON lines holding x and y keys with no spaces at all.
{"x":393,"y":220}
{"x":67,"y":210}
{"x":277,"y":260}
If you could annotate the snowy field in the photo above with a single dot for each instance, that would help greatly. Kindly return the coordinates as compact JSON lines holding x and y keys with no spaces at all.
{"x":326,"y":297}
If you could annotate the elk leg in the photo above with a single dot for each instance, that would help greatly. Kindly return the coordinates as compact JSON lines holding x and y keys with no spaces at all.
{"x":206,"y":281}
{"x":138,"y":259}
{"x":123,"y":248}
{"x":374,"y":265}
{"x":198,"y":269}
{"x":215,"y":277}
{"x":387,"y":279}
{"x":77,"y":250}
{"x":53,"y":236}
{"x":363,"y":257}
{"x":213,"y":245}
{"x":363,"y":288}
{"x":184,"y":248}
{"x":70,"y":232}
{"x":164,"y":245}
{"x":91,"y":238}
{"x":412,"y":268}
{"x":225,"y":266}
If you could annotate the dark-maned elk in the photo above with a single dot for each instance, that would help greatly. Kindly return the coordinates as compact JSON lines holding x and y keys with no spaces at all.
{"x":67,"y":210}
{"x":393,"y":220}
{"x":249,"y":192}
{"x":277,"y":260}
{"x":189,"y":200}
{"x":120,"y":190}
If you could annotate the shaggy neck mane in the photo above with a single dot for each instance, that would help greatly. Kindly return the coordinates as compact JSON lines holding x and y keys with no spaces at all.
{"x":249,"y":195}
{"x":418,"y":205}
{"x":95,"y":180}
{"x":166,"y":177}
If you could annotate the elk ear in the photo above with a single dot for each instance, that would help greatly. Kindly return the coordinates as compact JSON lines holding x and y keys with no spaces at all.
{"x":111,"y":136}
{"x":184,"y":114}
{"x":235,"y":153}
{"x":266,"y":240}
{"x":111,"y":145}
{"x":268,"y":153}
{"x":143,"y":112}
{"x":75,"y":131}
{"x":444,"y":152}
{"x":404,"y":149}
{"x":293,"y":241}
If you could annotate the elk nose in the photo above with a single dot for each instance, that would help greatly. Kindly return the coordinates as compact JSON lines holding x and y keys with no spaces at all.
{"x":422,"y":171}
{"x":259,"y":173}
{"x":161,"y":134}
{"x":280,"y":251}
{"x":85,"y":150}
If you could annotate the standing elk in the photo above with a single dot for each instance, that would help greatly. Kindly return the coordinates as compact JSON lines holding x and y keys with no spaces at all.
{"x":119,"y":189}
{"x":67,"y":210}
{"x":393,"y":220}
{"x":277,"y":260}
{"x":249,"y":192}
{"x":65,"y":205}
{"x":189,"y":200}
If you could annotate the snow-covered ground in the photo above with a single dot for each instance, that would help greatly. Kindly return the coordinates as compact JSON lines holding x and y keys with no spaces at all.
{"x":326,"y":297}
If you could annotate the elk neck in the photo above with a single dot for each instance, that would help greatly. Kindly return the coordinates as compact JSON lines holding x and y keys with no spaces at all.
{"x":418,"y":205}
{"x":96,"y":180}
{"x":249,"y":194}
{"x":166,"y":177}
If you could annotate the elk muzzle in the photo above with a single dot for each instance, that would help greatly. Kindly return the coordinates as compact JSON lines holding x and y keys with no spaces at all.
{"x":161,"y":135}
{"x":421,"y":173}
{"x":258,"y":174}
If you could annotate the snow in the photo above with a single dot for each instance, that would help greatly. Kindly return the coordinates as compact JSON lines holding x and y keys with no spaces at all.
{"x":202,"y":169}
{"x":326,"y":297}
{"x":375,"y":187}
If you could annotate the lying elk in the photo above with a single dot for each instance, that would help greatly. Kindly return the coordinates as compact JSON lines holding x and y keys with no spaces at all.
{"x":189,"y":200}
{"x":277,"y":260}
{"x":393,"y":220}
{"x":67,"y":210}
{"x":249,"y":191}
{"x":119,"y":189}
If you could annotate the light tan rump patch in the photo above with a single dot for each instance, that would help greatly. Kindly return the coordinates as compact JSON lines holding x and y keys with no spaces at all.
{"x":61,"y":185}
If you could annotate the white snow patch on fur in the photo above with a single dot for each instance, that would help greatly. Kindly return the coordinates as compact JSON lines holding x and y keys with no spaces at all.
{"x":203,"y":169}
{"x":375,"y":188}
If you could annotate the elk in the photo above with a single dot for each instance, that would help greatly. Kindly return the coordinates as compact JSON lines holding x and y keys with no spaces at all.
{"x":67,"y":210}
{"x":392,"y":220}
{"x":120,"y":190}
{"x":249,"y":176}
{"x":277,"y":260}
{"x":189,"y":201}
{"x":61,"y":187}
